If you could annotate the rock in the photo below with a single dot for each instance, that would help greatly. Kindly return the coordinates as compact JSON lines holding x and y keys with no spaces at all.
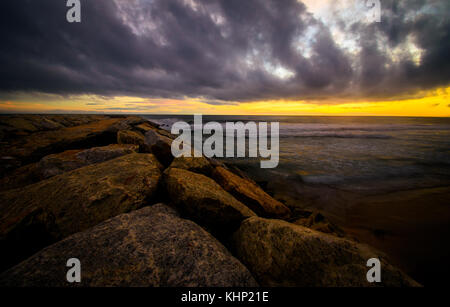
{"x":166,"y":134}
{"x":160,"y":146}
{"x":42,"y":213}
{"x":56,"y":164}
{"x":127,"y":124}
{"x":287,"y":255}
{"x":145,"y":127}
{"x":23,"y":124}
{"x":202,"y":199}
{"x":105,"y":153}
{"x":20,"y":124}
{"x":31,"y":148}
{"x":130,"y":137}
{"x":151,"y":247}
{"x":317,"y":221}
{"x":250,"y":194}
{"x":8,"y":164}
{"x":196,"y":165}
{"x":20,"y":177}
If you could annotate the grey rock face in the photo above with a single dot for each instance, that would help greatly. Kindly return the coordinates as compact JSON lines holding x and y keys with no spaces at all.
{"x":287,"y":255}
{"x":149,"y":247}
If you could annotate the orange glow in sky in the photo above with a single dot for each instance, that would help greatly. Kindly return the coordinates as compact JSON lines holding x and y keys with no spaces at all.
{"x":433,"y":103}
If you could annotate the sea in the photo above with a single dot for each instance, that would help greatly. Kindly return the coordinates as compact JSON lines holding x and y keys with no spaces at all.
{"x":358,"y":153}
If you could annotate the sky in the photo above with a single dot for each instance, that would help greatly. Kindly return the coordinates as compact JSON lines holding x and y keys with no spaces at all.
{"x":268,"y":57}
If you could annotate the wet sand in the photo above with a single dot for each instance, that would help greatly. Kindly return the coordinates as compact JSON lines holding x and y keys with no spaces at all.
{"x":410,"y":226}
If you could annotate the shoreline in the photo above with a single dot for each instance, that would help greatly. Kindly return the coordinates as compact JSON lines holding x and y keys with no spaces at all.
{"x":409,"y":225}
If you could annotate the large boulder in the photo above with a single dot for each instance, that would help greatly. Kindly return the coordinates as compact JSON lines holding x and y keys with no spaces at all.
{"x":31,"y":148}
{"x":203,"y":200}
{"x":317,"y":221}
{"x":250,"y":194}
{"x":59,"y":163}
{"x":149,"y":247}
{"x":56,"y":164}
{"x":105,"y":153}
{"x":283,"y":254}
{"x":42,"y":213}
{"x":145,"y":127}
{"x":129,"y":123}
{"x":199,"y":165}
{"x":20,"y":177}
{"x":130,"y":137}
{"x":160,"y":146}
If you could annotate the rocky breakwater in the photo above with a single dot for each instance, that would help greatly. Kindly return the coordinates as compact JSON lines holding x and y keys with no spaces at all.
{"x":134,"y":216}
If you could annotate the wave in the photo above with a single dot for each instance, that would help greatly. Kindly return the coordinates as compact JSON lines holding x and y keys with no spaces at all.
{"x":164,"y":123}
{"x":337,"y":135}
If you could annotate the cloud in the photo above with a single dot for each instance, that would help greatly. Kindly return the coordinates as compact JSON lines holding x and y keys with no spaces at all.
{"x":222,"y":51}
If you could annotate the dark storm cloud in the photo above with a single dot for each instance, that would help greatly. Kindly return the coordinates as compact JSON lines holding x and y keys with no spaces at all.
{"x":426,"y":24}
{"x":220,"y":51}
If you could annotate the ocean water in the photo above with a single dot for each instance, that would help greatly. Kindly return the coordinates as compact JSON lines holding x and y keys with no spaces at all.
{"x":357,"y":153}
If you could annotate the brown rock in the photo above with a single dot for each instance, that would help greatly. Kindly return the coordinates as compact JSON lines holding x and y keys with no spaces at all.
{"x":20,"y":177}
{"x":280,"y":254}
{"x":33,"y":147}
{"x":156,"y":247}
{"x":56,"y":164}
{"x":197,"y":165}
{"x":318,"y":222}
{"x":151,"y":247}
{"x":205,"y":201}
{"x":130,"y":137}
{"x":250,"y":194}
{"x":105,"y":153}
{"x":160,"y":146}
{"x":128,"y":123}
{"x":55,"y":208}
{"x":145,"y":127}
